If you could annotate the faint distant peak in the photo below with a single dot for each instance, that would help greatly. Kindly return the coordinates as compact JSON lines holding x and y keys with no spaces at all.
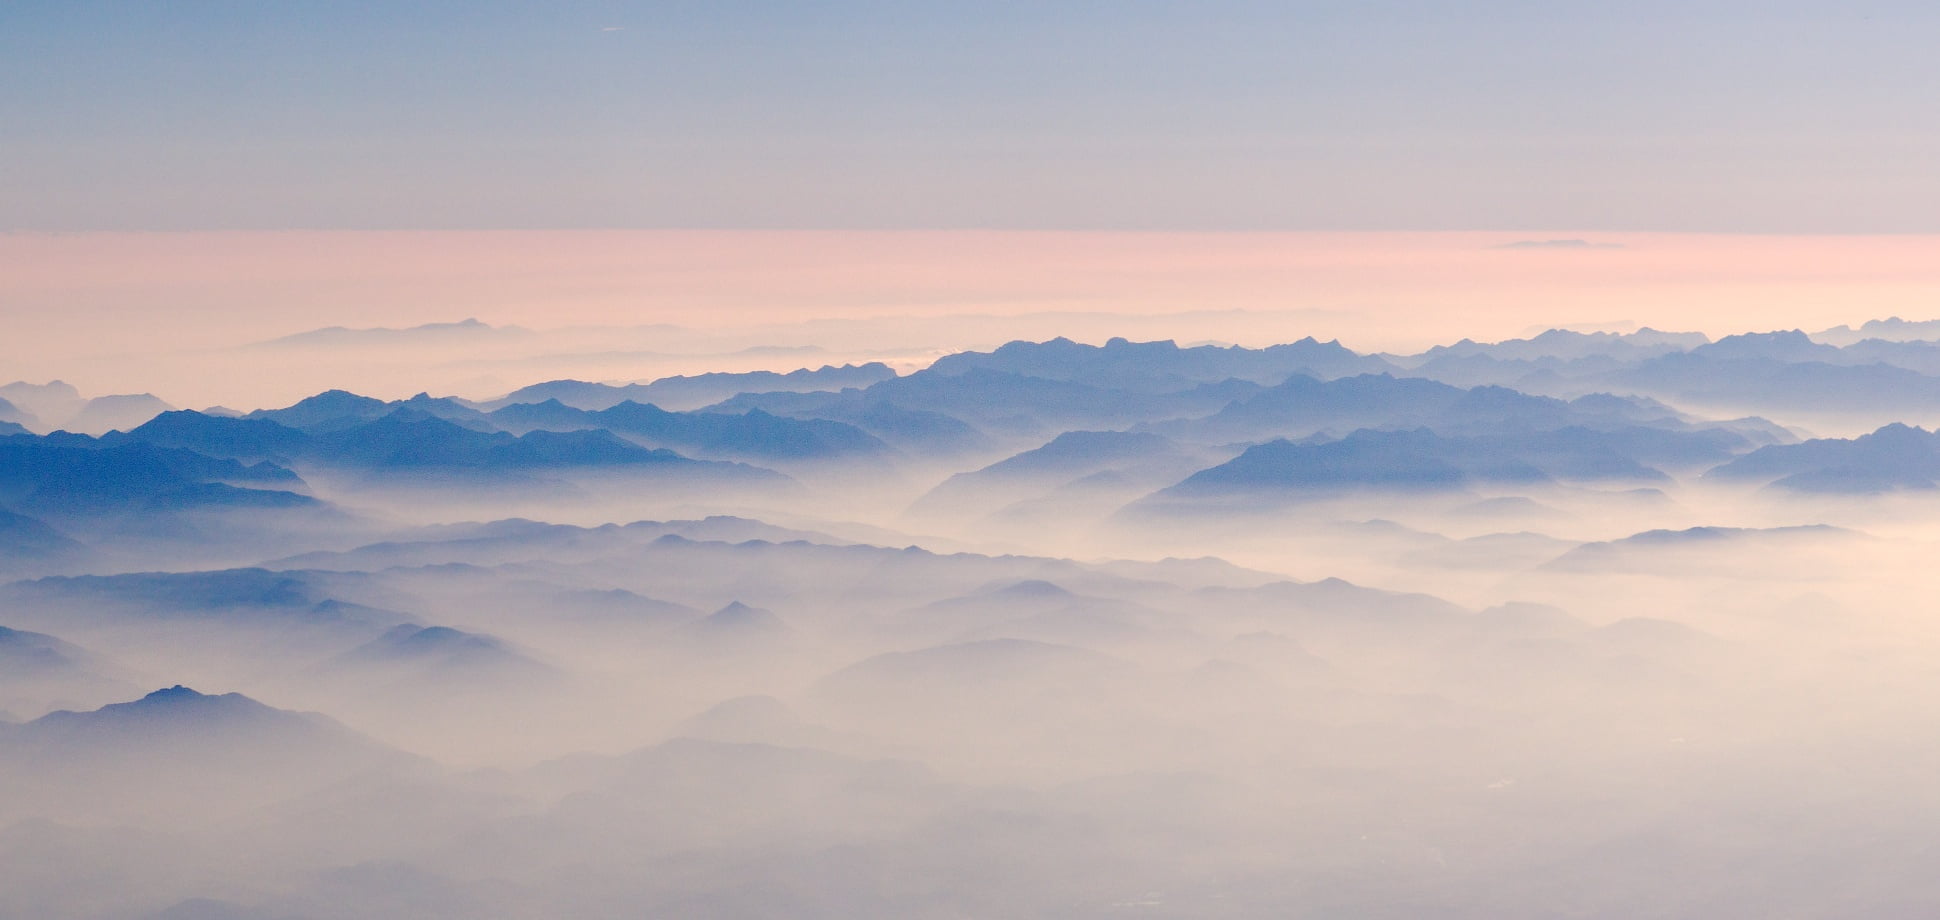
{"x":1889,"y":324}
{"x":462,"y":330}
{"x":1558,"y":244}
{"x":1782,"y":345}
{"x":1030,"y":587}
{"x":57,"y":387}
{"x":1891,"y":329}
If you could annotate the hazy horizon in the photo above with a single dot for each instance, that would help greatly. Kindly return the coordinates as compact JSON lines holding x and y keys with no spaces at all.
{"x":164,"y":312}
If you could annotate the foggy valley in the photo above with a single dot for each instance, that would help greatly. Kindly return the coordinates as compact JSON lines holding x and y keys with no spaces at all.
{"x":1583,"y":624}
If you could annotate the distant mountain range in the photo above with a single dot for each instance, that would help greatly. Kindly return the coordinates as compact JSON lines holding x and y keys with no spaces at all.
{"x":1027,"y":431}
{"x":340,"y":430}
{"x":178,"y":756}
{"x":466,"y":330}
{"x":678,"y":393}
{"x":1893,"y":458}
{"x":59,"y":406}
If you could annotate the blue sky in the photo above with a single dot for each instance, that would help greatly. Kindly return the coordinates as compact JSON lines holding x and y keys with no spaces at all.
{"x":1729,"y":117}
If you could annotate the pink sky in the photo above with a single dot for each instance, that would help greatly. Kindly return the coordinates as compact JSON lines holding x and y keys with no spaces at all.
{"x":76,"y":302}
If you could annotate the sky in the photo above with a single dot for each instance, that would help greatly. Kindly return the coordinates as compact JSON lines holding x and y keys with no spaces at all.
{"x":182,"y":177}
{"x":177,"y":314}
{"x":1724,"y":117}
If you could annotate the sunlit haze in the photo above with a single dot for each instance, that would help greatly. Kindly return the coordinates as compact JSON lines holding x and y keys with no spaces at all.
{"x":740,"y":460}
{"x":169,"y":313}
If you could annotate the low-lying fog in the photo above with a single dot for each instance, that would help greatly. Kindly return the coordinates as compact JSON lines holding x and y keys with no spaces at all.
{"x":1052,"y":631}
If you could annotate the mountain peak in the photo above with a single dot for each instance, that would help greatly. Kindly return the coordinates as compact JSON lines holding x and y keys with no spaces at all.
{"x":739,"y":617}
{"x":177,"y":693}
{"x":1031,"y":587}
{"x":170,"y":706}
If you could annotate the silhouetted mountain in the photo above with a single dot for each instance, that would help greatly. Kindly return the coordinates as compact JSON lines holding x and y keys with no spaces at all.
{"x":204,"y":496}
{"x":327,"y":411}
{"x":436,"y":653}
{"x":1563,"y":345}
{"x":170,"y":714}
{"x":919,"y":432}
{"x":1302,"y":406}
{"x":737,"y":623}
{"x":915,"y":431}
{"x":575,"y":394}
{"x":51,"y":403}
{"x":16,"y":418}
{"x":1401,"y":459}
{"x":26,"y":539}
{"x":1077,"y":453}
{"x":247,"y":439}
{"x":1011,"y":405}
{"x":1772,"y":372}
{"x":72,"y":474}
{"x":1555,"y":353}
{"x":681,"y":393}
{"x":406,"y":440}
{"x":451,"y":410}
{"x":115,"y":413}
{"x":1696,"y":535}
{"x":1892,"y":329}
{"x":187,"y":590}
{"x":1769,"y":384}
{"x":38,"y":670}
{"x":1791,"y":347}
{"x":741,"y":617}
{"x":517,"y":539}
{"x":59,"y":405}
{"x":1483,"y":370}
{"x":1893,"y":457}
{"x":344,"y":430}
{"x":1138,"y":461}
{"x":1686,"y":548}
{"x":231,"y":601}
{"x":549,"y":414}
{"x":461,"y":332}
{"x":178,"y":756}
{"x":1410,"y":460}
{"x":1161,"y":367}
{"x":1921,"y":357}
{"x":338,"y":410}
{"x":706,"y":389}
{"x":1030,"y":609}
{"x":410,"y":641}
{"x":753,"y":435}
